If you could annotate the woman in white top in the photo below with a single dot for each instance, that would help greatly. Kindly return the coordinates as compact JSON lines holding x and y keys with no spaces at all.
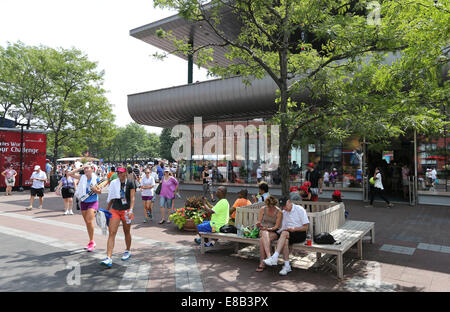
{"x":147,"y":193}
{"x":378,"y":188}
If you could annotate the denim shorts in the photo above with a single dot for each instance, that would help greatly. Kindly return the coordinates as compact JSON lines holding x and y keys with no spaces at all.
{"x":165,"y":202}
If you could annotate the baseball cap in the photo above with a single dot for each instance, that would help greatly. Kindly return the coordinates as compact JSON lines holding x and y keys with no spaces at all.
{"x":293,"y":189}
{"x":121,"y":169}
{"x":283,"y":201}
{"x":167,"y":169}
{"x":311,"y":165}
{"x":37,"y":167}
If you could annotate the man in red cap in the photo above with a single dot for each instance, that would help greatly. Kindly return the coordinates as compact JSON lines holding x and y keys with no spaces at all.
{"x":313,"y":176}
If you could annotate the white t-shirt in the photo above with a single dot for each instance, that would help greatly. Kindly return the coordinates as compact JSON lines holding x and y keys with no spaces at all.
{"x":150,"y":181}
{"x":258,"y":173}
{"x":433,"y":174}
{"x":326,"y":176}
{"x":39,"y":175}
{"x":378,"y":182}
{"x":297,"y":217}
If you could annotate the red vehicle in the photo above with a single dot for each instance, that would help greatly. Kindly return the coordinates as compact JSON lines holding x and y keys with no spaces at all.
{"x":34,"y":153}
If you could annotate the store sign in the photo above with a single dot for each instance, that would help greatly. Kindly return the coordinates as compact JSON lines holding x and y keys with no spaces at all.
{"x":34,"y":153}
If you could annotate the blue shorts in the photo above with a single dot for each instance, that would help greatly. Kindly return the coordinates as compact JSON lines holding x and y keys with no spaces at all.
{"x":205,"y":227}
{"x":165,"y":202}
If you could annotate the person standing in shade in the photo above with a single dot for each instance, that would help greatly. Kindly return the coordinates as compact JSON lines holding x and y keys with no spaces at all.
{"x":37,"y":188}
{"x":313,"y":176}
{"x":259,"y":174}
{"x":166,"y":196}
{"x":378,"y":189}
{"x":10,"y":179}
{"x":121,"y":199}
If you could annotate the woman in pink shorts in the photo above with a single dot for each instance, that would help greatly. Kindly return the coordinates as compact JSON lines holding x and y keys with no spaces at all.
{"x":89,"y":206}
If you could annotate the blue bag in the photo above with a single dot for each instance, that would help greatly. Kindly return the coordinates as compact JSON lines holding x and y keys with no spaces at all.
{"x":205,"y":227}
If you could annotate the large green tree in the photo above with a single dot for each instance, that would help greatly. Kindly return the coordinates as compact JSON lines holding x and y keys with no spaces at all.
{"x":62,"y":89}
{"x":335,"y":52}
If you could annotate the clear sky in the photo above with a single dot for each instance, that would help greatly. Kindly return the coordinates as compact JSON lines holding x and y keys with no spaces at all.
{"x":99,"y":28}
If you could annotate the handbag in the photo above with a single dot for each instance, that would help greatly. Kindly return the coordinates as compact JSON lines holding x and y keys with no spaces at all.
{"x":158,"y":189}
{"x":228,"y":229}
{"x":324,"y":238}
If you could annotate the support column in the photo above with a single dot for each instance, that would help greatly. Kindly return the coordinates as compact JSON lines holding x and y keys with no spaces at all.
{"x":190,"y":62}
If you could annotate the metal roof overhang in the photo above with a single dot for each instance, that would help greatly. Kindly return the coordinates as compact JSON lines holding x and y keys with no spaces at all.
{"x":200,"y":33}
{"x":213,"y":100}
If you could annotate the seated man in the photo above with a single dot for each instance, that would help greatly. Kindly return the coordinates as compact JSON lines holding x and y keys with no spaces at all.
{"x":293,"y":230}
{"x":220,"y":215}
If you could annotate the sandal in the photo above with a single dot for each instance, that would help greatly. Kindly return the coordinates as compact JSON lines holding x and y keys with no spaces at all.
{"x":162,"y":221}
{"x":260,"y":268}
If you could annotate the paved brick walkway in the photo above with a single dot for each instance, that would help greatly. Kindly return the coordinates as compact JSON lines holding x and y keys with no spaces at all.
{"x":411,"y":253}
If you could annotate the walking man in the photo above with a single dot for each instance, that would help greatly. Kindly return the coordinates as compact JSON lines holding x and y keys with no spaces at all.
{"x":121,"y":199}
{"x":37,"y":188}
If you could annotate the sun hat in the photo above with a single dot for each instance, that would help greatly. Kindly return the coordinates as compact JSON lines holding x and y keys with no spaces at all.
{"x":37,"y":167}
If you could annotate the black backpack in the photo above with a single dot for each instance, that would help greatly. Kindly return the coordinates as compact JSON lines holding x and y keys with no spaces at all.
{"x":324,"y":238}
{"x":227,"y":228}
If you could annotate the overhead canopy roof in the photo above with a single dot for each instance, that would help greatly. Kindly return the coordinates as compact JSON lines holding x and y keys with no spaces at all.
{"x":213,"y":100}
{"x":200,"y":33}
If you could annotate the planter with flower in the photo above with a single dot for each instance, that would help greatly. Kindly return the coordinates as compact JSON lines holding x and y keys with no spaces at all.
{"x":190,"y":215}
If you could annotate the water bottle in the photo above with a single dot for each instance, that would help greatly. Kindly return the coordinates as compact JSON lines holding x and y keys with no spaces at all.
{"x":239,"y":230}
{"x":127,"y":217}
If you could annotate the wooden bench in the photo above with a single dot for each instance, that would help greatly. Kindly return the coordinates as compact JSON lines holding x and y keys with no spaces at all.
{"x":323,"y":217}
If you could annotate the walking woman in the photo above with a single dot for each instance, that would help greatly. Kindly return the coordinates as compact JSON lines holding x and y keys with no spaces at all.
{"x":378,"y":189}
{"x":269,"y":221}
{"x":166,"y":196}
{"x":147,"y":193}
{"x":10,"y":179}
{"x":87,"y":183}
{"x":67,"y":186}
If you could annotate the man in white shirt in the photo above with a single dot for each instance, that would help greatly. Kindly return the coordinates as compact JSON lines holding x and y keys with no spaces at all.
{"x":37,"y":188}
{"x":259,"y":174}
{"x":433,"y":177}
{"x":293,"y":230}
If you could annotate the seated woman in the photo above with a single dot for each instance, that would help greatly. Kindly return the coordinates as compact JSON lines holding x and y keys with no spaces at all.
{"x":240,"y":202}
{"x":269,"y":221}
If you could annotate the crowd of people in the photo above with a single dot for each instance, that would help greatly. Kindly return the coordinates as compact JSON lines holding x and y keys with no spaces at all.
{"x":279,"y":219}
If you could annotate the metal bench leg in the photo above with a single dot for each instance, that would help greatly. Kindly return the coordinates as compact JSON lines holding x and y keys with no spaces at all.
{"x":340,"y":266}
{"x":318,"y":256}
{"x":372,"y":232}
{"x":202,"y":245}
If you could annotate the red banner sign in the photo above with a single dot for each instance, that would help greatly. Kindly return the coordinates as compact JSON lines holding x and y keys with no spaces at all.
{"x":34,"y":153}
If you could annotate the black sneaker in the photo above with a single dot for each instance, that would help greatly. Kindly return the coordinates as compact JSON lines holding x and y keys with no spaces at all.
{"x":198,"y":240}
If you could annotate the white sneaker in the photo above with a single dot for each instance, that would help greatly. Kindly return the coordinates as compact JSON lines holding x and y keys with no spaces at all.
{"x":29,"y":208}
{"x":285,"y":270}
{"x":126,"y":255}
{"x":270,"y":261}
{"x":66,"y":212}
{"x":70,"y":212}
